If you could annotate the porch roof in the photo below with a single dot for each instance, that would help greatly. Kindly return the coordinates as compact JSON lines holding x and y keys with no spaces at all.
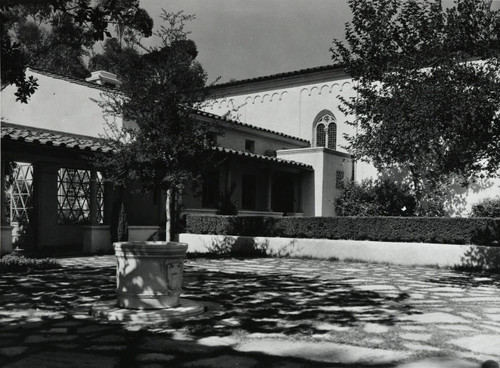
{"x":52,"y":138}
{"x":231,"y":152}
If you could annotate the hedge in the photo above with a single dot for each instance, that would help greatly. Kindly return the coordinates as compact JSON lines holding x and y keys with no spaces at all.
{"x":444,"y":230}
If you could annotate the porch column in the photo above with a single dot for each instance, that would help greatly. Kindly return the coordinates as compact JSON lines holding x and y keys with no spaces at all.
{"x":96,"y":237}
{"x":269,"y":206}
{"x":3,"y":198}
{"x":93,"y":197}
{"x":6,"y":229}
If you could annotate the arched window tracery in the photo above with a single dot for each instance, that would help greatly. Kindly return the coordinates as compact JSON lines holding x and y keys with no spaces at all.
{"x":325,"y":130}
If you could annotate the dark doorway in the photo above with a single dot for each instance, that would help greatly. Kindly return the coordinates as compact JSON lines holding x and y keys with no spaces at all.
{"x":283,"y":192}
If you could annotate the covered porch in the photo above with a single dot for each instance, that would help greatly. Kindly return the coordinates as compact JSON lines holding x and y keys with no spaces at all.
{"x":255,"y":185}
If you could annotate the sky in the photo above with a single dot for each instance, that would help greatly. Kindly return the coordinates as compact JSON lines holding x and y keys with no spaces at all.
{"x":240,"y":39}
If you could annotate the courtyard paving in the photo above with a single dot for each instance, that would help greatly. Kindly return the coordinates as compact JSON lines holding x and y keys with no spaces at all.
{"x":270,"y":312}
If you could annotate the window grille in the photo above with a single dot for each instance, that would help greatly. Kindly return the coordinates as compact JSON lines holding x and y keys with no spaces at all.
{"x":326,"y":132}
{"x":73,"y":194}
{"x":21,"y":193}
{"x":320,"y":135}
{"x":339,"y":182}
{"x":332,"y":136}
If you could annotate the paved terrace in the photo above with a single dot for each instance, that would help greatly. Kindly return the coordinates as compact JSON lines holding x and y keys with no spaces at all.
{"x":261,"y":313}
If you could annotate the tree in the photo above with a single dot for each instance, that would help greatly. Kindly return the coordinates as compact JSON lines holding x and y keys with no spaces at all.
{"x":55,"y":35}
{"x":160,"y":144}
{"x":427,"y":89}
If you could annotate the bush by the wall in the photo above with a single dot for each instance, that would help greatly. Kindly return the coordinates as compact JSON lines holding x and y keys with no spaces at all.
{"x":480,"y":231}
{"x":489,"y":207}
{"x":375,"y":198}
{"x":15,"y":263}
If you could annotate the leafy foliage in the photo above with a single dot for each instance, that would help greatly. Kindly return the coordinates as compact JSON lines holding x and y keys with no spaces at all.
{"x":489,"y":207}
{"x":15,"y":263}
{"x":445,"y":230}
{"x":159,"y":144}
{"x":420,"y":103}
{"x":375,"y":198}
{"x":57,"y":35}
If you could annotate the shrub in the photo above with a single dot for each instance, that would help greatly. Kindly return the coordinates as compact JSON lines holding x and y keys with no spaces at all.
{"x":15,"y":263}
{"x":375,"y":198}
{"x":446,"y":230}
{"x":489,"y":207}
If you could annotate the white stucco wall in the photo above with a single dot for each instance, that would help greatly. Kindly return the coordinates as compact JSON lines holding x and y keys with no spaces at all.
{"x":319,"y":191}
{"x":57,"y":104}
{"x":289,"y":109}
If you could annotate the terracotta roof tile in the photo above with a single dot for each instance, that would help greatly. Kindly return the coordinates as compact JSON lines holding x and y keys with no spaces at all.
{"x":232,"y":152}
{"x":278,"y":75}
{"x":220,"y":118}
{"x":51,"y":138}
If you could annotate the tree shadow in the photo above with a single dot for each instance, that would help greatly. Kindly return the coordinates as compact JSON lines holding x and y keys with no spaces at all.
{"x":480,"y":259}
{"x":237,"y":303}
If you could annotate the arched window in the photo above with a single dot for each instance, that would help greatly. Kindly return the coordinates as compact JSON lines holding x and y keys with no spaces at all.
{"x":325,"y":130}
{"x":332,"y":136}
{"x":320,"y":135}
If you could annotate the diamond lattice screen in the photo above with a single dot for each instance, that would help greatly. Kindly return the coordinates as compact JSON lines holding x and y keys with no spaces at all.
{"x":73,"y":194}
{"x":21,"y":193}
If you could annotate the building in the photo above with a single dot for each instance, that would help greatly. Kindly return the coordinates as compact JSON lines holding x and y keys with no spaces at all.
{"x":283,"y":150}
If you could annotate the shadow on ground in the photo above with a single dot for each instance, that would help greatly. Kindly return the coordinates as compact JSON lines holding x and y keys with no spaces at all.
{"x":44,"y":319}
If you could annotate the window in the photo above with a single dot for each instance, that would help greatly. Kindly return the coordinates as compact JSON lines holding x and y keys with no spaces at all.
{"x":21,"y":192}
{"x":325,"y":130}
{"x":339,"y":181}
{"x":249,"y":146}
{"x":332,"y":136}
{"x":210,"y":190}
{"x":320,"y":135}
{"x":248,"y":192}
{"x":73,"y":195}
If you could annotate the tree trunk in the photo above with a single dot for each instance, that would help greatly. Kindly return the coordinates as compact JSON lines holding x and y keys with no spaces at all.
{"x":168,"y":222}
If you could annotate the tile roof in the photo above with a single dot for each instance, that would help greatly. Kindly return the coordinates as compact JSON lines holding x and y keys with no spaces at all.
{"x":71,"y":79}
{"x":232,"y":152}
{"x":278,"y":75}
{"x":52,"y":138}
{"x":220,"y":118}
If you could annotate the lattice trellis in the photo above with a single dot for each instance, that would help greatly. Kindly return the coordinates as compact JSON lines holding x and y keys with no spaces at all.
{"x":21,"y":193}
{"x":73,"y":194}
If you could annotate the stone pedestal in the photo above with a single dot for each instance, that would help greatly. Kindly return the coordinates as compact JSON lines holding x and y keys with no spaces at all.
{"x":97,"y":239}
{"x":6,"y":240}
{"x":149,"y":274}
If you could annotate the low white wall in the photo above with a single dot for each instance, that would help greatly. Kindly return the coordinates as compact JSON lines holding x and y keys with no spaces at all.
{"x":443,"y":255}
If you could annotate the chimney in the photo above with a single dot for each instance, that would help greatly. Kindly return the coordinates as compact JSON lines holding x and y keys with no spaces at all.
{"x":104,"y":79}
